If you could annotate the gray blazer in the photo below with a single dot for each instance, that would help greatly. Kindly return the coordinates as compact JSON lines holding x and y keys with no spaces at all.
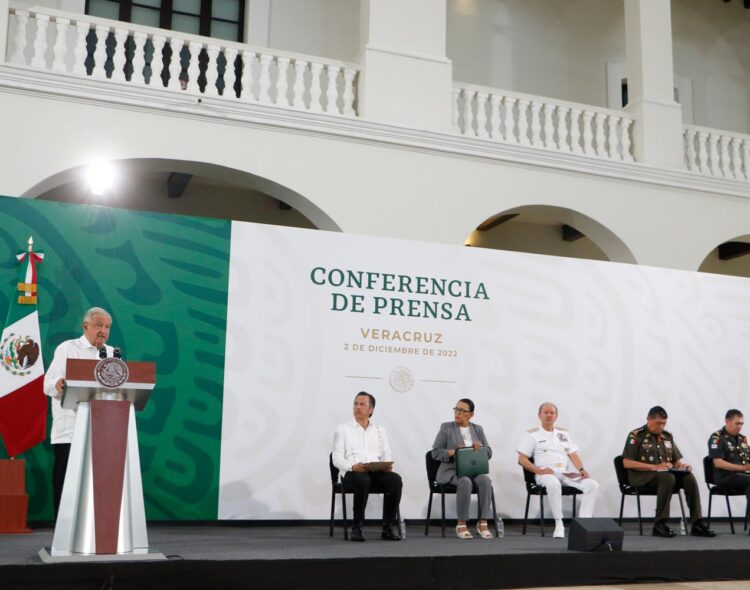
{"x":448,"y":438}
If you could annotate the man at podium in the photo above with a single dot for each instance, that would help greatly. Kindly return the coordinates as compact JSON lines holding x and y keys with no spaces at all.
{"x":91,"y":345}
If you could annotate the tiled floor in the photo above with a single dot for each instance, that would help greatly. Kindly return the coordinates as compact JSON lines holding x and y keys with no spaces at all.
{"x":670,"y":586}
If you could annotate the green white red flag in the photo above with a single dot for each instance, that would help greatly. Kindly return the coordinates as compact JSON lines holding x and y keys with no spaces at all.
{"x":23,"y":405}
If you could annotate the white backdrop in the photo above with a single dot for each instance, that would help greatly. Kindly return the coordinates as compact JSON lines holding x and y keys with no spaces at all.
{"x":603,"y":341}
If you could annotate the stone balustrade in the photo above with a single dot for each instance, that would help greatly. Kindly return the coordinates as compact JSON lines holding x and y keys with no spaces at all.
{"x":717,"y":153}
{"x":124,"y":53}
{"x":497,"y":115}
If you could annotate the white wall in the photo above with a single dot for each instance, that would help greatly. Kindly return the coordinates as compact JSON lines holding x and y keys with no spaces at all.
{"x":326,"y":28}
{"x":712,"y":48}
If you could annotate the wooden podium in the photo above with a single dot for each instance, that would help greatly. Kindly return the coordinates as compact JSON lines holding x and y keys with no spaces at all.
{"x":102,"y":515}
{"x":14,"y":501}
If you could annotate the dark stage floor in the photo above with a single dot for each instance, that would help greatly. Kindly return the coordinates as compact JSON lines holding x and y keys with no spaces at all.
{"x":221,"y":556}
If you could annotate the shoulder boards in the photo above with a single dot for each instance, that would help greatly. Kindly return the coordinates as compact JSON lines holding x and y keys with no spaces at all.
{"x":533,"y":429}
{"x":718,"y":434}
{"x":563,"y":429}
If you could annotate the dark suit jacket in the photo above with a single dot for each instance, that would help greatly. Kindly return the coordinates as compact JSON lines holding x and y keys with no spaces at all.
{"x":449,"y":437}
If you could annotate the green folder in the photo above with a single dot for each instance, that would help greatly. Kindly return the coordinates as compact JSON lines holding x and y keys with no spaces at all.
{"x":471,"y":462}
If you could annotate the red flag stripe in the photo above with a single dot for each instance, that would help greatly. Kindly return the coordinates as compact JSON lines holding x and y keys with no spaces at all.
{"x":23,"y":417}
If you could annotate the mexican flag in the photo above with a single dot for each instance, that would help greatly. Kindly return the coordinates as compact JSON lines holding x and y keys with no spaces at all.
{"x":23,"y":405}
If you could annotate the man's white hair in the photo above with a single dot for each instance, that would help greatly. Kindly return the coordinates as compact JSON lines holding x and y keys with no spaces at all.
{"x":96,"y":311}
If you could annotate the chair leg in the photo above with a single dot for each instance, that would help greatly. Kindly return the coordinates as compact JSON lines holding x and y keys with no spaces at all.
{"x":710,"y":499}
{"x":574,"y":505}
{"x":622,"y":507}
{"x":494,"y":514}
{"x":541,"y":511}
{"x":343,"y":510}
{"x":526,"y":513}
{"x":747,"y":513}
{"x":729,"y":511}
{"x":429,"y":511}
{"x":640,"y":517}
{"x":682,"y":510}
{"x":333,"y":508}
{"x":442,"y":512}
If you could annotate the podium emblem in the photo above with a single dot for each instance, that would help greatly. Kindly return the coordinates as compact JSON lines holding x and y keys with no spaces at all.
{"x":111,"y":372}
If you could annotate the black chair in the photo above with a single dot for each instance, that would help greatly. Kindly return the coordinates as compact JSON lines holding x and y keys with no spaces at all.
{"x":338,"y":487}
{"x":432,"y":466}
{"x":626,"y":489}
{"x":534,"y":489}
{"x":717,"y":490}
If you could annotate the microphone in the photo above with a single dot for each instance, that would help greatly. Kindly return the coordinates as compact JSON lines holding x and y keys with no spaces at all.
{"x":103,"y":352}
{"x":117,"y":353}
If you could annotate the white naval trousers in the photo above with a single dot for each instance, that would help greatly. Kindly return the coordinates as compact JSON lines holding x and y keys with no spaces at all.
{"x":553,"y":484}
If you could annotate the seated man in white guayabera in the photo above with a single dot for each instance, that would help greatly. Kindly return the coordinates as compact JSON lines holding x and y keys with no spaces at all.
{"x":553,"y":452}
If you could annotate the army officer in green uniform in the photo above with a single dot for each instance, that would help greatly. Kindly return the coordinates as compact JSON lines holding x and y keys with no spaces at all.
{"x":730,"y":453}
{"x":654,"y":461}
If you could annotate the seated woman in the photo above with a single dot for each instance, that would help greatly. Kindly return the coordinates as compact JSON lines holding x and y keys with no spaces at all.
{"x":463,"y":433}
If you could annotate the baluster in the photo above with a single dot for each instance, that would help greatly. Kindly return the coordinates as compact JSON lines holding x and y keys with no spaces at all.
{"x":332,"y":90}
{"x":60,"y":46}
{"x":536,"y":124}
{"x":282,"y":82}
{"x":496,"y":129}
{"x":246,"y":81}
{"x":454,"y":108}
{"x":298,"y":88}
{"x":724,"y":157}
{"x":601,"y":140}
{"x":523,"y":121}
{"x":230,"y":76}
{"x":349,"y":74}
{"x":212,"y":70}
{"x":562,"y":129}
{"x":39,"y":60}
{"x":625,"y":125}
{"x":713,"y":149}
{"x":736,"y":158}
{"x":509,"y":104}
{"x":157,"y":65}
{"x":467,"y":118}
{"x":482,"y":115}
{"x":575,"y":130}
{"x":588,"y":133}
{"x":79,"y":52}
{"x":549,"y":128}
{"x":119,"y":55}
{"x":690,"y":148}
{"x":21,"y":38}
{"x":612,"y":124}
{"x":175,"y":64}
{"x":746,"y":157}
{"x":139,"y":58}
{"x":194,"y":67}
{"x":316,"y":70}
{"x":100,"y":53}
{"x":703,"y":153}
{"x":264,"y":95}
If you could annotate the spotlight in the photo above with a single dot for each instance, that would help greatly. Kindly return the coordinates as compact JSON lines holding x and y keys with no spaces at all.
{"x":100,"y":177}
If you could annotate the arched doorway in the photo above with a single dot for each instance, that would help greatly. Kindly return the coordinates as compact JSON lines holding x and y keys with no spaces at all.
{"x":729,"y":258}
{"x":556,"y":231}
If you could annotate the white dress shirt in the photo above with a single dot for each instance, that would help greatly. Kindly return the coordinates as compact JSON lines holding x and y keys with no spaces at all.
{"x":548,"y":449}
{"x":354,"y":444}
{"x":63,"y":421}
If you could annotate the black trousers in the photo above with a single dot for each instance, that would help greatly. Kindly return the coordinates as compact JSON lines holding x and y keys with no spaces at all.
{"x":380,"y":482}
{"x":733,"y":481}
{"x":665,"y":483}
{"x":62,"y":450}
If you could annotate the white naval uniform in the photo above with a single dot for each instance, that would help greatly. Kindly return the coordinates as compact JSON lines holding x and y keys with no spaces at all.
{"x":553,"y":449}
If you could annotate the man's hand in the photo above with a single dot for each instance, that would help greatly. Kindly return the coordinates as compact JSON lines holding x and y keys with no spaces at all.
{"x":476,"y":444}
{"x":681,"y":465}
{"x":389,"y":468}
{"x":584,"y":474}
{"x":59,"y":385}
{"x":546,"y":471}
{"x":661,"y":466}
{"x":359,"y":467}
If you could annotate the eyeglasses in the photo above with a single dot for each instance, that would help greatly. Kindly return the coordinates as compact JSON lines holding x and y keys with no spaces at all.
{"x":461,"y":411}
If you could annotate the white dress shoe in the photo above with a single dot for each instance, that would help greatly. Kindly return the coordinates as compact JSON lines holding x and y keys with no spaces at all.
{"x":559,"y":531}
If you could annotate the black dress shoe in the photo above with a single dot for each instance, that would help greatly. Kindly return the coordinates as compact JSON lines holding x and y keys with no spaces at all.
{"x":700,"y":529}
{"x":662,"y":530}
{"x":390,"y":533}
{"x":357,"y":534}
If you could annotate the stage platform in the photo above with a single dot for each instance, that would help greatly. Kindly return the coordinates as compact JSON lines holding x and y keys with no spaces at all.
{"x":216,"y":556}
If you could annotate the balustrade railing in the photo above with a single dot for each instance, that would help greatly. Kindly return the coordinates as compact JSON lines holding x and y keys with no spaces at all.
{"x":717,"y":153}
{"x":147,"y":57}
{"x":502,"y":116}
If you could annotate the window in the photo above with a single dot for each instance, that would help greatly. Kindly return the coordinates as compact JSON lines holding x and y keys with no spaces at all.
{"x":223,"y":19}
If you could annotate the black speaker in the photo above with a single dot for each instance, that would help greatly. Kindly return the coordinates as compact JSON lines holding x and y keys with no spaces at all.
{"x":595,"y":534}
